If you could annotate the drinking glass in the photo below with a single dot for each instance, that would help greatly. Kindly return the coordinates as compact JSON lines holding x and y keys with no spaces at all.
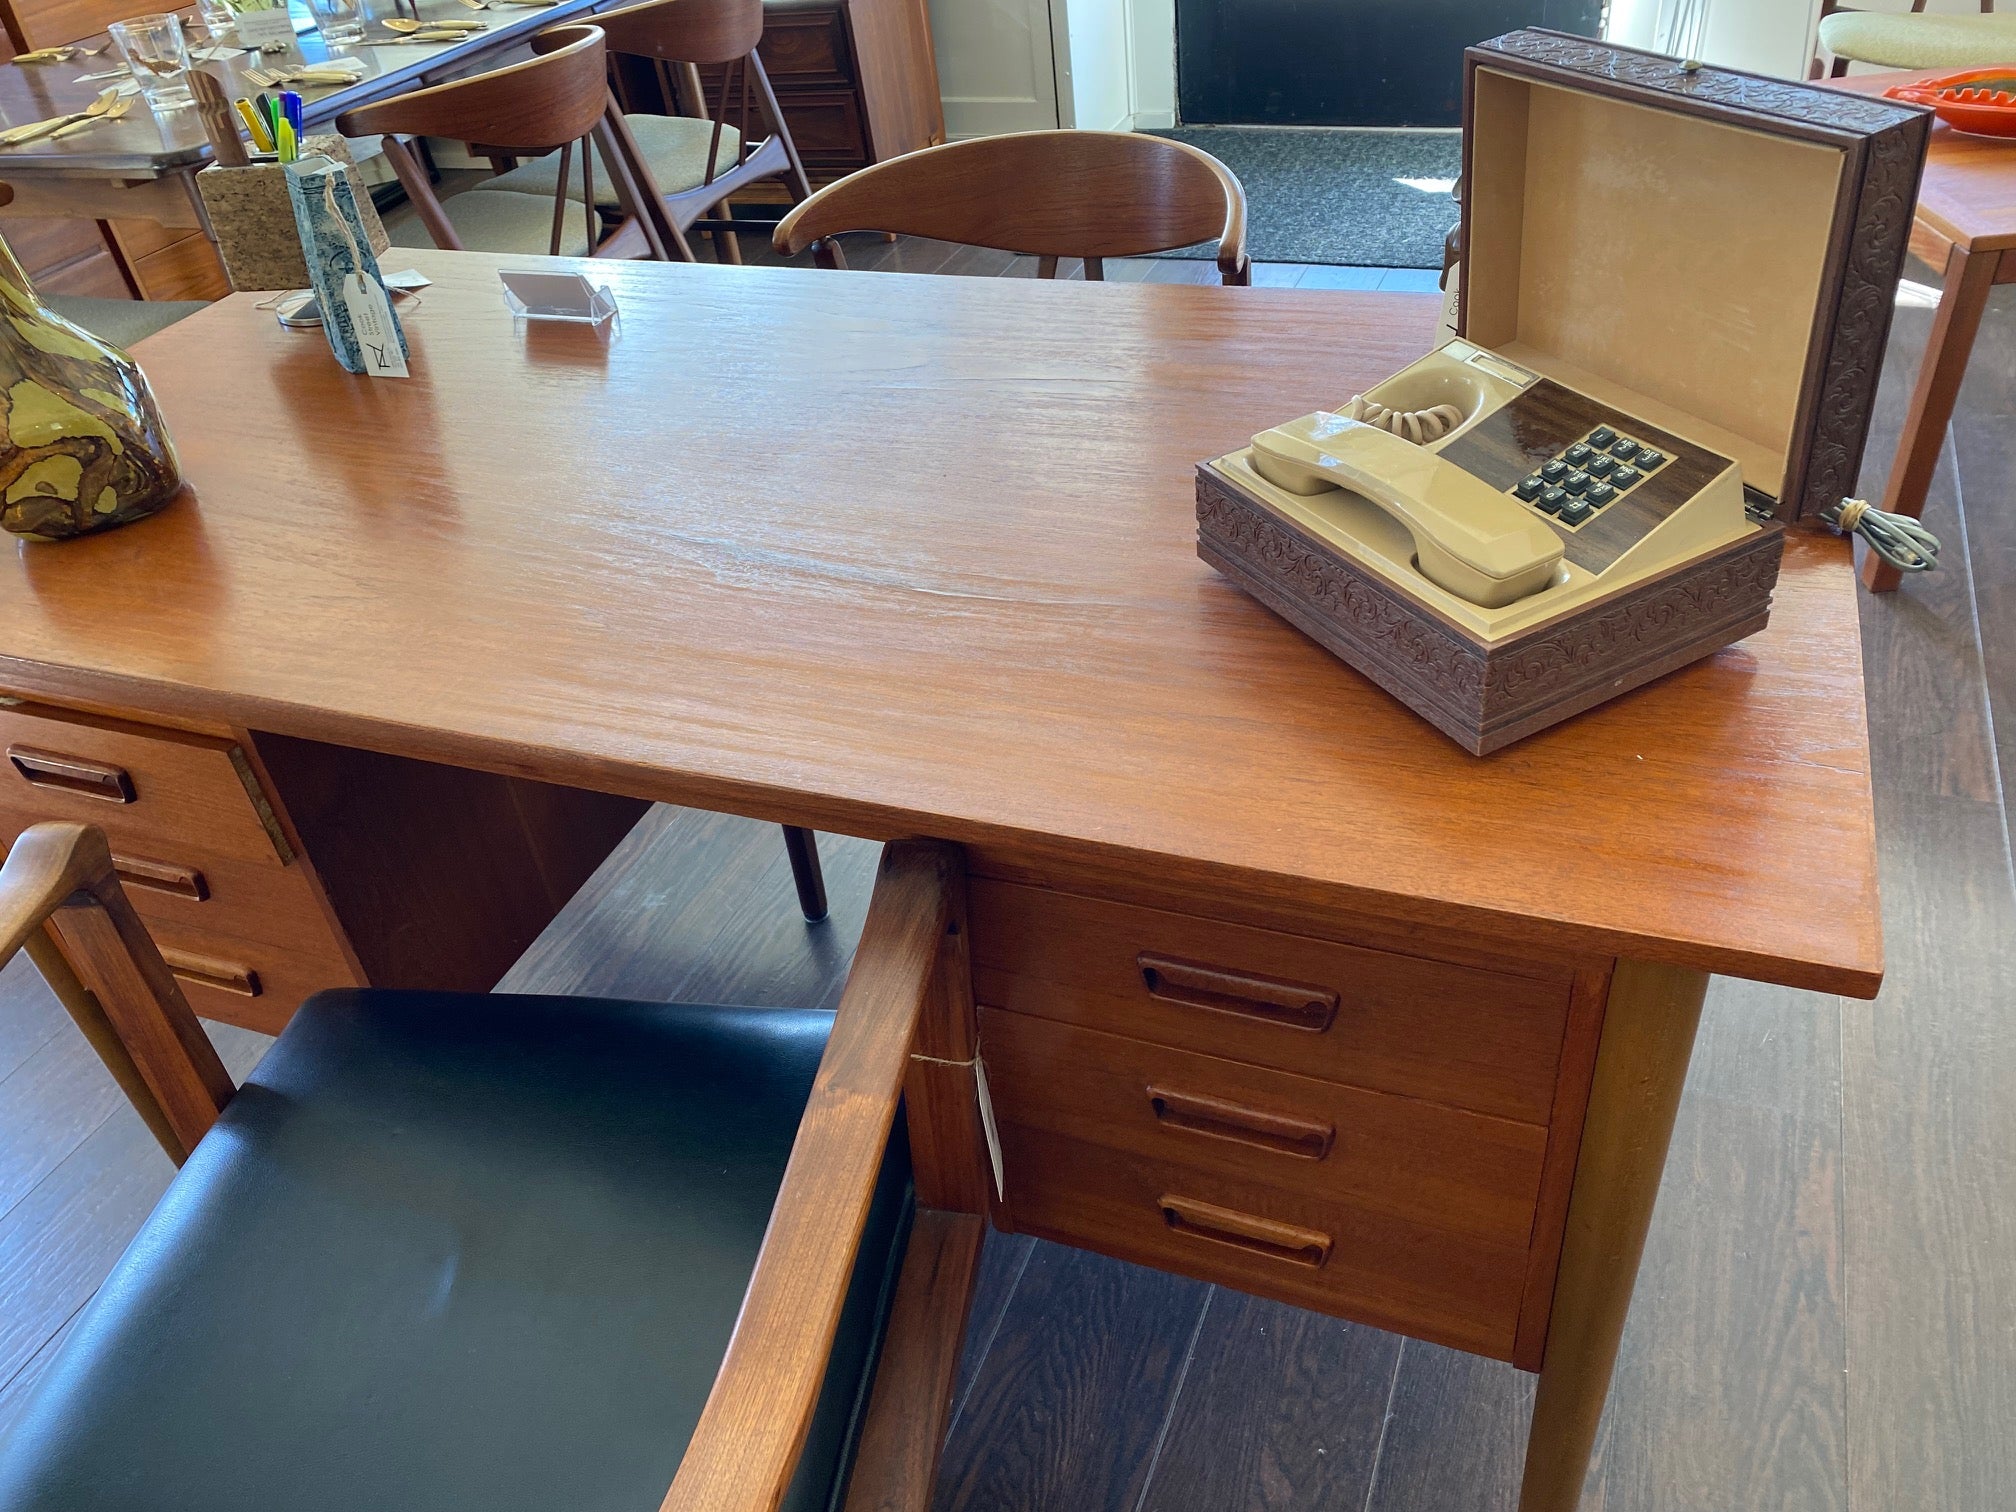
{"x":341,"y":22}
{"x":154,"y":49}
{"x":218,"y":20}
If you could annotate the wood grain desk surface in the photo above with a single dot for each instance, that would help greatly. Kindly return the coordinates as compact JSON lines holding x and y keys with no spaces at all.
{"x":144,"y":144}
{"x":1969,"y":192}
{"x":894,"y":554}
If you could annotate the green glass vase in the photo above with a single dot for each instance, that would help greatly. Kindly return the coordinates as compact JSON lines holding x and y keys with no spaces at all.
{"x":82,"y":444}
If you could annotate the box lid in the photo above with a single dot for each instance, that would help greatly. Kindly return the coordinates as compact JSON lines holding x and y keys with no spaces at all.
{"x":1713,"y":251}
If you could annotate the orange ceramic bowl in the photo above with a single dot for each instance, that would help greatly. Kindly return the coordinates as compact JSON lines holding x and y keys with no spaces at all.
{"x":1979,"y":100}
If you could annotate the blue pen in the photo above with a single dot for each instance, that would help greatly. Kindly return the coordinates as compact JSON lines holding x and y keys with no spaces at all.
{"x":290,"y":102}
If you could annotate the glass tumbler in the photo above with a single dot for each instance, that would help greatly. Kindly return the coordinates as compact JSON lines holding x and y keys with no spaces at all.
{"x":341,"y":22}
{"x":154,"y":49}
{"x":219,"y":21}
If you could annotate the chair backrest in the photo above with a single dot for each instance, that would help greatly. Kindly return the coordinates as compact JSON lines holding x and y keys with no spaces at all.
{"x":531,"y":107}
{"x":685,"y":31}
{"x":1050,"y":194}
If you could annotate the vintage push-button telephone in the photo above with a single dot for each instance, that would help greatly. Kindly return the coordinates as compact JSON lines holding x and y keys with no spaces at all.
{"x":1493,"y":495}
{"x":1588,"y":486}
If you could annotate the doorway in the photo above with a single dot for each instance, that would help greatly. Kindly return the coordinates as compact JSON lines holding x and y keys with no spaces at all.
{"x":1343,"y":62}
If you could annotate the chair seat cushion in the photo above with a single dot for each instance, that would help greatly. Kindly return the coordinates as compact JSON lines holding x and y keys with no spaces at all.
{"x":453,"y":1252}
{"x":675,"y":148}
{"x":1920,"y":41}
{"x":123,"y":322}
{"x":488,"y":221}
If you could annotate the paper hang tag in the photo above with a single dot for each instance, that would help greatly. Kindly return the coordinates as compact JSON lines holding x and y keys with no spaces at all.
{"x":988,"y":1128}
{"x":371,"y":322}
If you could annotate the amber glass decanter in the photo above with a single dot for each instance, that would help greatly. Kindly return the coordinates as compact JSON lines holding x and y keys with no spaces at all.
{"x":82,"y":445}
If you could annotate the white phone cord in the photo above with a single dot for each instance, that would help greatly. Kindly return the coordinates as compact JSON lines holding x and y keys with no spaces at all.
{"x":1897,"y":539}
{"x":1419,"y":426}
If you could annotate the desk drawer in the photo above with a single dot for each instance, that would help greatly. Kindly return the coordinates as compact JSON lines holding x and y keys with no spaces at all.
{"x":247,"y":982}
{"x":1472,"y":1038}
{"x":241,"y":899}
{"x":1440,"y":1167}
{"x":1297,"y":1247}
{"x":154,"y":792}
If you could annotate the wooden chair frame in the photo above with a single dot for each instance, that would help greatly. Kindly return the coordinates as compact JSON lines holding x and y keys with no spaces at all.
{"x":684,"y":36}
{"x":550,"y":102}
{"x":1003,"y":192}
{"x":1839,"y":66}
{"x":909,"y":975}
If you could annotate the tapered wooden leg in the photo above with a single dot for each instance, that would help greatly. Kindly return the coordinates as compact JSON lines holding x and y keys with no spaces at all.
{"x":1969,"y":277}
{"x":803,"y":848}
{"x":1641,"y":1064}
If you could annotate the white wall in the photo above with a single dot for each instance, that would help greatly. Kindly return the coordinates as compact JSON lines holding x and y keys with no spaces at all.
{"x":995,"y":67}
{"x":1094,"y":64}
{"x":1762,"y":36}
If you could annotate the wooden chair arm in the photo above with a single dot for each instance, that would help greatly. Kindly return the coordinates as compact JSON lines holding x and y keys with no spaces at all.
{"x":60,"y":876}
{"x":752,"y":1430}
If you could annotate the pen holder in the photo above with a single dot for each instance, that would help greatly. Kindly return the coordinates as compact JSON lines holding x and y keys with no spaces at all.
{"x":357,"y":315}
{"x":252,"y":218}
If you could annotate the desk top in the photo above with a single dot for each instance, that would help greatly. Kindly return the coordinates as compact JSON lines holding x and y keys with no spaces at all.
{"x":146,"y":145}
{"x":1969,"y":192}
{"x":890,"y":554}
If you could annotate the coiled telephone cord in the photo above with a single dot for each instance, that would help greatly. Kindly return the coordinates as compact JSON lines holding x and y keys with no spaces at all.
{"x":1419,"y":426}
{"x":1897,"y":539}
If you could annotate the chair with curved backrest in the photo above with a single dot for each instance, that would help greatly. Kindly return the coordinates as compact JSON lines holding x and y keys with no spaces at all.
{"x":1047,"y":194}
{"x":1889,"y":39}
{"x":687,"y":165}
{"x":455,"y":1251}
{"x":555,"y":101}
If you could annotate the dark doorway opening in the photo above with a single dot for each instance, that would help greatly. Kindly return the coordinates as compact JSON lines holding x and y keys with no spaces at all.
{"x":1343,"y":62}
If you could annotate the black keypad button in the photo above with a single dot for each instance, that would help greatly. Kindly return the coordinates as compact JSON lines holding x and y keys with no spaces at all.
{"x":1575,"y":482}
{"x":1574,"y":512}
{"x":1529,"y":488}
{"x":1623,"y":446}
{"x":1625,"y":476}
{"x":1554,"y":471}
{"x":1649,"y":459}
{"x":1578,"y":453}
{"x":1602,"y":436}
{"x":1552,"y":500}
{"x":1600,"y":493}
{"x":1599,"y":466}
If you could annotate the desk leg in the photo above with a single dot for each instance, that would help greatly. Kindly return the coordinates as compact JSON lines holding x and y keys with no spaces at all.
{"x":1969,"y":277}
{"x":1641,"y":1063}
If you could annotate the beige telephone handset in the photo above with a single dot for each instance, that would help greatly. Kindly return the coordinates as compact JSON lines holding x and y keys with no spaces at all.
{"x":1496,"y":496}
{"x":1468,"y":537}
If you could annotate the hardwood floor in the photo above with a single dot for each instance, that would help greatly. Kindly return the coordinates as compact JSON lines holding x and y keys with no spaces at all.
{"x":1824,"y":1318}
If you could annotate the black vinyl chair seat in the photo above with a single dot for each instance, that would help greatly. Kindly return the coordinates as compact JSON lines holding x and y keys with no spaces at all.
{"x":457,"y":1252}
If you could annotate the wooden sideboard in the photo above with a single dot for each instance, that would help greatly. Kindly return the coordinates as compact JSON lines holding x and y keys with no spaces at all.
{"x":262,"y":864}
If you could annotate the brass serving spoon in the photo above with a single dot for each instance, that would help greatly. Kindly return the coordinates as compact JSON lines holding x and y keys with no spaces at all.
{"x":39,"y":129}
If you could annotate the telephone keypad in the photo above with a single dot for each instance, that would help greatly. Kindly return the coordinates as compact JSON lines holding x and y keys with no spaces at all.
{"x":1587,"y":474}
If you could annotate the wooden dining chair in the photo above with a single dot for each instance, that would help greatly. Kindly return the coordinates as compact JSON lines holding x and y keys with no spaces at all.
{"x":688,"y":166}
{"x":1887,"y":39}
{"x":1046,"y":194}
{"x":448,"y":1251}
{"x":555,"y":101}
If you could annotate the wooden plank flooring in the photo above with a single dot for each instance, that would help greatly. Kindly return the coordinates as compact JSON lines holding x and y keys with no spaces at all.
{"x":1827,"y":1314}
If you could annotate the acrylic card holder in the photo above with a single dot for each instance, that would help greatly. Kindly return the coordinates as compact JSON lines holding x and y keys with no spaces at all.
{"x":357,"y":315}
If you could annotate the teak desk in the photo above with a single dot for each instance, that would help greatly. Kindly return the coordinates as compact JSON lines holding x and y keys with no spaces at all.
{"x":1276,"y":986}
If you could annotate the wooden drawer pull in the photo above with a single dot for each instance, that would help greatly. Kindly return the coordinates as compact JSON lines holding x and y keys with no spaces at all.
{"x":1283,"y":1133}
{"x":162,"y":876}
{"x":1263,"y":1236}
{"x":72,"y":774}
{"x":1287,"y":1003}
{"x":220,"y":975}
